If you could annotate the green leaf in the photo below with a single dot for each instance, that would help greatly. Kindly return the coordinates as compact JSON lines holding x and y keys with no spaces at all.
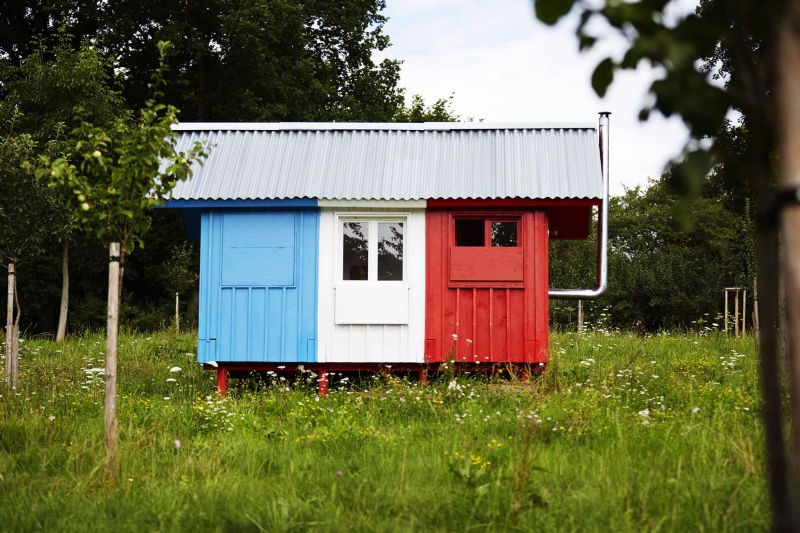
{"x":602,"y":76}
{"x":551,"y":11}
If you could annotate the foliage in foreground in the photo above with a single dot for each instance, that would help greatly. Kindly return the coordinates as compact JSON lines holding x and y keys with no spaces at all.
{"x":621,"y":432}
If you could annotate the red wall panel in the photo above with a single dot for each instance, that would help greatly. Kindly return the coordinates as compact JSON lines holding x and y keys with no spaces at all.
{"x":499,"y":314}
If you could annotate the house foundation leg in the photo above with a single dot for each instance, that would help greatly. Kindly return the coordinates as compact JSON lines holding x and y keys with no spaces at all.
{"x":322,"y":383}
{"x":222,"y":381}
{"x":524,"y":374}
{"x":423,"y":375}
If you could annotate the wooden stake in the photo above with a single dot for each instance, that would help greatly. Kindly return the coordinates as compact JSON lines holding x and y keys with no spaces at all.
{"x":177,"y":312}
{"x":580,"y":316}
{"x":744,"y":313}
{"x":755,"y":309}
{"x":736,"y":314}
{"x":726,"y":311}
{"x":64,"y":308}
{"x":10,"y":363}
{"x":112,"y":329}
{"x":15,"y":352}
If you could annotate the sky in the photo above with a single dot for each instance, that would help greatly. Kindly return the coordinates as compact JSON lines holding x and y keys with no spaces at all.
{"x":504,"y":66}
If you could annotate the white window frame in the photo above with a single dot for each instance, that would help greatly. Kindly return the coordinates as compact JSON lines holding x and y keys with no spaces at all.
{"x":372,"y":246}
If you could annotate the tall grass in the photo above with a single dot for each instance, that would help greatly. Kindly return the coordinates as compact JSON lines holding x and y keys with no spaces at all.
{"x":621,"y":433}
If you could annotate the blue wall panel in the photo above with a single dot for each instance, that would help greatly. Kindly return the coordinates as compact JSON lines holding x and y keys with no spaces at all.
{"x":258,"y":285}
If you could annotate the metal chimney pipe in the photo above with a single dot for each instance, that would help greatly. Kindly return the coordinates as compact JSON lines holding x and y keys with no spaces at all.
{"x":602,"y":229}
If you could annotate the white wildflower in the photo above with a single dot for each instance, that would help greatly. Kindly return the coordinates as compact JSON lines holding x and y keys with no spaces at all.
{"x":175,"y":369}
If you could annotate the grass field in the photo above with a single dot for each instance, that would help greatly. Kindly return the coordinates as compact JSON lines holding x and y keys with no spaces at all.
{"x":621,"y":433}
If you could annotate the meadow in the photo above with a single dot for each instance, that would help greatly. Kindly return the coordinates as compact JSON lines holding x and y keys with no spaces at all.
{"x":622,"y":432}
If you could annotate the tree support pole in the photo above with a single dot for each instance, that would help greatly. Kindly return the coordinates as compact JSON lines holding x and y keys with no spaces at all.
{"x":11,"y":362}
{"x":755,"y":310}
{"x":112,"y":329}
{"x":726,"y":311}
{"x":744,"y":313}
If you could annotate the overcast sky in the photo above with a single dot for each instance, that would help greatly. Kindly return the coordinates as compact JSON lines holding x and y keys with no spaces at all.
{"x":504,"y":66}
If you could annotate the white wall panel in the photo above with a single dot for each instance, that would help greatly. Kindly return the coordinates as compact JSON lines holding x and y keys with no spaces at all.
{"x":369,"y":324}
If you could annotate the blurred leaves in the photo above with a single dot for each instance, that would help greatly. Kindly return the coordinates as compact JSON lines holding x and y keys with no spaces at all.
{"x":718,"y":59}
{"x":602,"y":76}
{"x":551,"y":11}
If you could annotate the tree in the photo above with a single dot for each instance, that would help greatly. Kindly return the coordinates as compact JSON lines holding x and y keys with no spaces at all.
{"x":259,"y":60}
{"x":668,"y":259}
{"x":751,"y":47}
{"x":180,"y":275}
{"x":122,"y":172}
{"x":439,"y":111}
{"x":27,"y":214}
{"x":288,"y":60}
{"x":44,"y":90}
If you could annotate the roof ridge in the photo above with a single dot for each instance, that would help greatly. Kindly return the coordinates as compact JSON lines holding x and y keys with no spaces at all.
{"x":379,"y":126}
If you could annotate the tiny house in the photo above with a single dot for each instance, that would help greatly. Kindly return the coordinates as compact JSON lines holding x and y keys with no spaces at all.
{"x":339,"y":246}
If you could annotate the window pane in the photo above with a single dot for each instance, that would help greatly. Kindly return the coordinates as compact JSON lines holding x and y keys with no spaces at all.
{"x":390,"y":251}
{"x":504,"y":233}
{"x":469,"y":232}
{"x":354,"y":246}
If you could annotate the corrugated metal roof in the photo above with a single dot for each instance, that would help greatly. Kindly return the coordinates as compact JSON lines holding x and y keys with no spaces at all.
{"x":340,"y":161}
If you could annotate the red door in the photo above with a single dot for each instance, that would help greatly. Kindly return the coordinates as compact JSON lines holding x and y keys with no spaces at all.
{"x":486,"y":295}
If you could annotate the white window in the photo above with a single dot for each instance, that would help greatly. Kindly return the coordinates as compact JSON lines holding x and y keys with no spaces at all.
{"x":372,"y":249}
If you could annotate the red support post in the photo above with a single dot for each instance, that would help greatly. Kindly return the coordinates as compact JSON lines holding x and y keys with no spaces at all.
{"x":222,"y":381}
{"x":423,"y":375}
{"x":322,"y":383}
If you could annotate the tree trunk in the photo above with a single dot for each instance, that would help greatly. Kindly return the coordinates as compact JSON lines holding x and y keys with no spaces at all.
{"x":64,"y":308}
{"x":767,"y":247}
{"x":112,"y":328}
{"x":789,"y":146}
{"x":177,"y":312}
{"x":11,"y":353}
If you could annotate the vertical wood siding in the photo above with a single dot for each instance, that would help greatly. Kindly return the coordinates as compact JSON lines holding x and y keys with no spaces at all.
{"x":370,"y":342}
{"x":486,"y":320}
{"x":258,"y":286}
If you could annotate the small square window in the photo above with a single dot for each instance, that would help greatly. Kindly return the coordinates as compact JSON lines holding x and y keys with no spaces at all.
{"x":469,"y":232}
{"x":504,"y":234}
